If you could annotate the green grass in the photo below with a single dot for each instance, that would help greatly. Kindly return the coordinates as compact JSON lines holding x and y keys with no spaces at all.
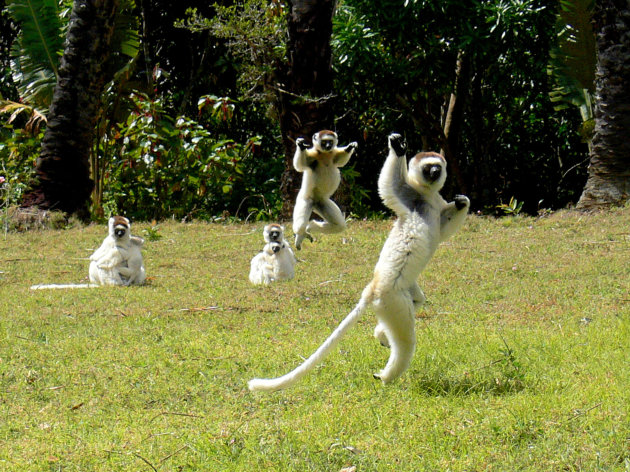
{"x":522,"y":363}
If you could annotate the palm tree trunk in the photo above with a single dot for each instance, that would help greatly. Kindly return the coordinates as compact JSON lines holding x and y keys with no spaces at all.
{"x":63,"y":167}
{"x":609,"y":170}
{"x":305,"y":103}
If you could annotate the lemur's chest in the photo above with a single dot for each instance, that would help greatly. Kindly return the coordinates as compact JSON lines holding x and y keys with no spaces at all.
{"x":326,"y":175}
{"x":421,"y":228}
{"x":413,"y":240}
{"x":322,"y":164}
{"x":324,"y":158}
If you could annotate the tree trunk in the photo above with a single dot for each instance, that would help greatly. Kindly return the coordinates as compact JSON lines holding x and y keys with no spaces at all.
{"x":63,"y":168}
{"x":454,"y":119}
{"x":609,"y":170}
{"x":305,"y":104}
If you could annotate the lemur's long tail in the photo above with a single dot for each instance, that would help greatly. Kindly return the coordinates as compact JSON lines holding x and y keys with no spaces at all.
{"x":322,"y":351}
{"x":62,"y":286}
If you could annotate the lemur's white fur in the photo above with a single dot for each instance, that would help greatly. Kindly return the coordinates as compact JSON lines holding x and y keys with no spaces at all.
{"x":424,"y":220}
{"x":276,"y":261}
{"x":320,"y":166}
{"x":118,"y":261}
{"x":61,"y":286}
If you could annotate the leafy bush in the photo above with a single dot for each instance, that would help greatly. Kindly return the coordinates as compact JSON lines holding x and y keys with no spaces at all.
{"x":18,"y":151}
{"x":173,"y":167}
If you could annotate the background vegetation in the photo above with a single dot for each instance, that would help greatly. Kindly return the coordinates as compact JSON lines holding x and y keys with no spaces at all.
{"x":186,"y":127}
{"x":521,"y":363}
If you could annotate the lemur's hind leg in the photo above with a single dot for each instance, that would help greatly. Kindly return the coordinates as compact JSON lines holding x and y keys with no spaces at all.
{"x":417,"y":298}
{"x":395,"y":313}
{"x":301,"y":216}
{"x":334,"y":221}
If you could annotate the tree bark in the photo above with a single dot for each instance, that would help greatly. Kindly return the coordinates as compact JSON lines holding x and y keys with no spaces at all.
{"x":305,"y":103}
{"x":454,"y":118}
{"x":63,"y":167}
{"x":609,"y":170}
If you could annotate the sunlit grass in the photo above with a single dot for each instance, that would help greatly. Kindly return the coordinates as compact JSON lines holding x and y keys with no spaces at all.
{"x":523,"y":359}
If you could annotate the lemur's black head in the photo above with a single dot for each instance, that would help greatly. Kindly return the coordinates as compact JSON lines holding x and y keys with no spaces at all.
{"x":273,"y":232}
{"x":273,"y":248}
{"x":428,"y":170}
{"x":119,"y":226}
{"x":327,"y":144}
{"x":431,"y":172}
{"x":325,"y":140}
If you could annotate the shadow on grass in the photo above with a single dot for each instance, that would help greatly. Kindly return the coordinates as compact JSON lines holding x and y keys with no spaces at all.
{"x":503,"y":376}
{"x":437,"y":384}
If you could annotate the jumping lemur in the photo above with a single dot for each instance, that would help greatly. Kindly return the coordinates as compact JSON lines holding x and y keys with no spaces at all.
{"x":424,"y":220}
{"x":320,"y":166}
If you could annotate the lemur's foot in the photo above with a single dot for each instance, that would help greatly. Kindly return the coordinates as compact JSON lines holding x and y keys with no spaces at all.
{"x":379,"y":334}
{"x":299,"y":238}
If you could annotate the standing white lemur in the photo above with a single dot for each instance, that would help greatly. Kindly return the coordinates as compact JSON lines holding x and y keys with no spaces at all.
{"x":320,"y":164}
{"x":276,"y":261}
{"x":118,"y":261}
{"x":424,"y":220}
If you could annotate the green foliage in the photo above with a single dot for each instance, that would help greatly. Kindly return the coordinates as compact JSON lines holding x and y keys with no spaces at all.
{"x":171,"y":167}
{"x":397,"y":68}
{"x":37,"y":49}
{"x":147,"y":160}
{"x":513,"y":208}
{"x":18,"y":150}
{"x":152,"y":233}
{"x":255,"y":35}
{"x":39,"y":46}
{"x":8,"y":34}
{"x":520,"y":365}
{"x":353,"y":195}
{"x":572,"y":62}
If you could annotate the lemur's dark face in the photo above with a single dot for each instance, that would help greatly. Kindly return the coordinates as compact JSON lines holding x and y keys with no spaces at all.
{"x":120,"y":231}
{"x":273,"y":248}
{"x":427,"y":169}
{"x":326,"y":140}
{"x":274,"y":235}
{"x":431,"y":172}
{"x":118,"y":226}
{"x":327,"y":144}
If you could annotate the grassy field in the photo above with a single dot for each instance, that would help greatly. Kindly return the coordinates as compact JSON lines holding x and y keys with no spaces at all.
{"x":523,"y":357}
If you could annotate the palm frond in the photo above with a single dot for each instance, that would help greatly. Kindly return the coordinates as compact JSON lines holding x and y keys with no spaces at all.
{"x":35,"y":118}
{"x":37,"y":50}
{"x":573,"y":59}
{"x":125,"y":42}
{"x":126,"y":39}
